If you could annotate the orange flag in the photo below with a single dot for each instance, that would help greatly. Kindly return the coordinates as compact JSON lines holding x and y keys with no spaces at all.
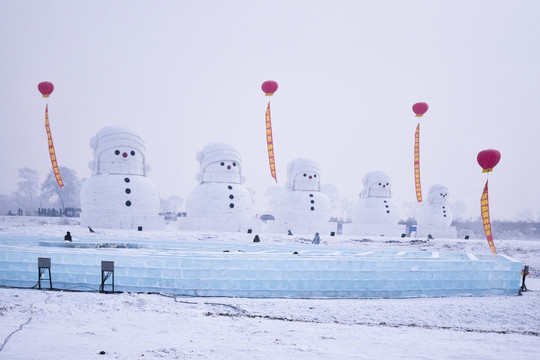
{"x":51,"y":149}
{"x":484,"y":204}
{"x":270,"y":143}
{"x":417,"y":164}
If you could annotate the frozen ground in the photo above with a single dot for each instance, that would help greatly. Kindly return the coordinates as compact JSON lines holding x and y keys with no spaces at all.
{"x":80,"y":325}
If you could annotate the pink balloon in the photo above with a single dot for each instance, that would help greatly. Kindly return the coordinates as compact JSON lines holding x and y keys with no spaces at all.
{"x":46,"y":88}
{"x":488,"y":159}
{"x":420,"y":108}
{"x":269,"y":87}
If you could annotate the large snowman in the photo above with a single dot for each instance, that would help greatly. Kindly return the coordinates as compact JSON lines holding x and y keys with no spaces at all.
{"x":375,"y":212}
{"x":435,"y":217}
{"x":303,"y":208}
{"x":119,"y":195}
{"x":220,"y":202}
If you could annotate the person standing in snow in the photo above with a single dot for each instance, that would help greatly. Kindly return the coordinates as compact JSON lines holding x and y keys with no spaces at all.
{"x":316,"y":239}
{"x":67,"y":237}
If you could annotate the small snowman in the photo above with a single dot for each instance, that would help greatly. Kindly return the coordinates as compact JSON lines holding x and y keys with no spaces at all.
{"x":375,"y":212}
{"x":119,"y":194}
{"x":220,"y":202}
{"x":434,"y":217}
{"x":436,"y":212}
{"x":303,"y":208}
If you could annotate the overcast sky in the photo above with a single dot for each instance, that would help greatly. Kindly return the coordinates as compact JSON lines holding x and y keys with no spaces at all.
{"x":185,"y":73}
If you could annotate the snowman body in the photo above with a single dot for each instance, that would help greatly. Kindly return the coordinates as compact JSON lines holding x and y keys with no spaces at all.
{"x":220,"y":202}
{"x":119,"y":195}
{"x":375,"y":213}
{"x":303,"y":208}
{"x":435,"y":217}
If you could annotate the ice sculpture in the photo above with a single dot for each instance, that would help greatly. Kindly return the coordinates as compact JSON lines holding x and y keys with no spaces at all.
{"x":375,"y":212}
{"x":435,"y":217}
{"x":119,"y":195}
{"x":220,"y":202}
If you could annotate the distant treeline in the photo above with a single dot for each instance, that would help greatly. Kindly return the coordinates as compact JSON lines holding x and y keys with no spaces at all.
{"x":500,"y":229}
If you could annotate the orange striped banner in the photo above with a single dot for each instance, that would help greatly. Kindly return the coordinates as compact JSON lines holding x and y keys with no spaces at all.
{"x":484,"y":203}
{"x":270,"y":143}
{"x":417,"y":164}
{"x":51,"y":149}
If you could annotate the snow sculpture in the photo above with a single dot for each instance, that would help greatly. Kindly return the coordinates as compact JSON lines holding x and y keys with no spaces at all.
{"x":119,"y":195}
{"x":375,"y":212}
{"x":302,"y":208}
{"x":435,"y":217}
{"x":220,"y":202}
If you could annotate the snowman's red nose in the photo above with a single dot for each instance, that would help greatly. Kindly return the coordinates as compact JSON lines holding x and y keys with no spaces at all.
{"x":124,"y":155}
{"x":229,"y":167}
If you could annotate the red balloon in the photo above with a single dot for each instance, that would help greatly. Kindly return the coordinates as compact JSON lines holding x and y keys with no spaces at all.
{"x":46,"y":88}
{"x":269,"y":87}
{"x":488,"y":159}
{"x":420,"y":108}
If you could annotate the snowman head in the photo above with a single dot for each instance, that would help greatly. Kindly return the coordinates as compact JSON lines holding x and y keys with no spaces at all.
{"x":438,"y":194}
{"x":376,"y":184}
{"x":303,"y":174}
{"x":118,"y":150}
{"x":219,"y":162}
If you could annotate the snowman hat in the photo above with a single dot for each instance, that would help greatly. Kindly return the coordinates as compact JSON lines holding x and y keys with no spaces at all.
{"x":373,"y":178}
{"x":214,"y":152}
{"x":434,"y":190}
{"x":111,"y":137}
{"x":299,"y":166}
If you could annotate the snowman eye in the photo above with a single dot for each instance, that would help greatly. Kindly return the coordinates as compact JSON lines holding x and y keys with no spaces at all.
{"x":233,"y":164}
{"x":315,"y":175}
{"x":305,"y":175}
{"x":117,"y":152}
{"x":387,"y":184}
{"x":380,"y":184}
{"x":132,"y":153}
{"x":222,"y":164}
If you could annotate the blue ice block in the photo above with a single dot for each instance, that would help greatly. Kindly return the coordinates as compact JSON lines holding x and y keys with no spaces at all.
{"x":206,"y":269}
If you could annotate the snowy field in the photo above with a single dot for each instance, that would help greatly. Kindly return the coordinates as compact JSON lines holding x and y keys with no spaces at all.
{"x":89,"y":325}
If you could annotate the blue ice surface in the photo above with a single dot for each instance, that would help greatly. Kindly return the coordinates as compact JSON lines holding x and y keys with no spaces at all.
{"x":233,"y":269}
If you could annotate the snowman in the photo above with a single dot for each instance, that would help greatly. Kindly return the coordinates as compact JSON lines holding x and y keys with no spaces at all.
{"x":375,"y":212}
{"x":220,"y":202}
{"x":119,"y":195}
{"x":435,"y":216}
{"x":303,"y":208}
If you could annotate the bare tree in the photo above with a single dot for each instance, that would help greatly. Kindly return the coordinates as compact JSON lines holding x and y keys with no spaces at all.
{"x":67,"y":195}
{"x":27,"y":196}
{"x":172,"y":204}
{"x":8,"y":205}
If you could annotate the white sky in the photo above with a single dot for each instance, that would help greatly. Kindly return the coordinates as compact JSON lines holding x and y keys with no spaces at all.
{"x":185,"y":73}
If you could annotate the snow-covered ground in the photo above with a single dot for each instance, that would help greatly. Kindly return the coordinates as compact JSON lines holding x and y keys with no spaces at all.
{"x":81,"y":325}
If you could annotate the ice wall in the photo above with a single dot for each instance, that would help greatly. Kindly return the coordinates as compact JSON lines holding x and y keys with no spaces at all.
{"x":255,"y":270}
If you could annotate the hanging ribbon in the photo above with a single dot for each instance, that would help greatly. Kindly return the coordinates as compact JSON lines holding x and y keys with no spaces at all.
{"x":51,"y":149}
{"x":270,"y":143}
{"x":417,"y":164}
{"x":484,"y":203}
